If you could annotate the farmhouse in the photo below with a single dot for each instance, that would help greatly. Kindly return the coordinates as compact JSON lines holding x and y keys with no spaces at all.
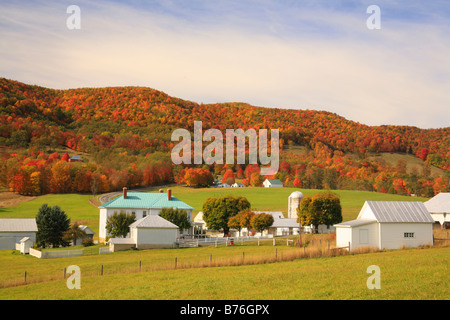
{"x":272,"y":183}
{"x":439,"y":208}
{"x":12,"y":231}
{"x":141,"y":204}
{"x":387,"y":225}
{"x":149,"y":232}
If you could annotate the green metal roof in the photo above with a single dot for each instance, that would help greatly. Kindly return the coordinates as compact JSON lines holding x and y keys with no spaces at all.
{"x":274,"y":181}
{"x":145,"y":200}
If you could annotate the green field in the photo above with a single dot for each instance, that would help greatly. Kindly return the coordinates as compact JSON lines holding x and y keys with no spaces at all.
{"x":205,"y":272}
{"x":78,"y":207}
{"x":405,"y":274}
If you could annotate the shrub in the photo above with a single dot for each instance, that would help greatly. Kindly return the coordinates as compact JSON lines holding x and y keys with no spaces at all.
{"x":87,"y":242}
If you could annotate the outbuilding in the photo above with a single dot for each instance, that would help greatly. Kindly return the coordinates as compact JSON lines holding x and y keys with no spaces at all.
{"x":150,"y":232}
{"x":272,"y":183}
{"x":439,"y":208}
{"x":14,"y":230}
{"x":387,"y":225}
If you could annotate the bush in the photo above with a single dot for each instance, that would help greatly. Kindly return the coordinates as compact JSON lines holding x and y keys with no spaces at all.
{"x":87,"y":242}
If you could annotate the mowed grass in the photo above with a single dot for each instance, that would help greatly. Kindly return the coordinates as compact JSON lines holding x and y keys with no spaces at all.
{"x":405,"y":275}
{"x":78,"y":207}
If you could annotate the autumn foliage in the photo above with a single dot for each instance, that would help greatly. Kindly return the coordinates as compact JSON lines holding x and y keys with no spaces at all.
{"x":125,"y":135}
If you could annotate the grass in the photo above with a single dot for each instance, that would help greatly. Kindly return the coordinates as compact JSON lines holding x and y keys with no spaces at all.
{"x":405,"y":274}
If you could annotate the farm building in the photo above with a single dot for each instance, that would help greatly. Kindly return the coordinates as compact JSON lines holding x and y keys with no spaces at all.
{"x":238,"y":185}
{"x":141,"y":204}
{"x":439,"y":208}
{"x":89,"y":235}
{"x":281,"y":226}
{"x":75,"y":158}
{"x":12,"y":231}
{"x":149,"y":232}
{"x":387,"y":225}
{"x":272,"y":183}
{"x":294,"y":203}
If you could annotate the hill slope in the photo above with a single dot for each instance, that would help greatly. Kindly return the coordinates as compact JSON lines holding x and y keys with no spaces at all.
{"x":121,"y":126}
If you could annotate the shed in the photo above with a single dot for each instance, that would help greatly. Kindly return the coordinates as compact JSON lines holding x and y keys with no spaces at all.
{"x":14,"y":230}
{"x":272,"y":183}
{"x":439,"y":208}
{"x":387,"y":225}
{"x":153,"y":231}
{"x":25,"y":244}
{"x":89,"y":235}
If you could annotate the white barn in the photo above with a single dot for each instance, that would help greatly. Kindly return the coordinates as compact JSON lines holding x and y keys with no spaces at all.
{"x":439,"y":208}
{"x":387,"y":225}
{"x":14,"y":230}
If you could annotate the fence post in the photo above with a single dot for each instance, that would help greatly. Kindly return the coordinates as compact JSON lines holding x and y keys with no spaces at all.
{"x":349,"y":246}
{"x":101,"y":271}
{"x":25,"y":276}
{"x":175,"y":262}
{"x":139,"y":265}
{"x":273,"y":241}
{"x":210,"y":258}
{"x":276,"y":254}
{"x":243,"y":256}
{"x":64,"y":272}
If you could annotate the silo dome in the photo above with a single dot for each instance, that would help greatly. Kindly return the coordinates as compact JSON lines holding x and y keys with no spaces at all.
{"x":296,"y":194}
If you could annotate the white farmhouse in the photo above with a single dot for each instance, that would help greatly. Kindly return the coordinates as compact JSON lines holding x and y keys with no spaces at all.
{"x":12,"y":231}
{"x":387,"y":225}
{"x":439,"y":208}
{"x":141,"y":204}
{"x":272,"y":183}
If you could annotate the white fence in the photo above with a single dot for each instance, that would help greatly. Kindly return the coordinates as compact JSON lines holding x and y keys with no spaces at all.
{"x":63,"y":253}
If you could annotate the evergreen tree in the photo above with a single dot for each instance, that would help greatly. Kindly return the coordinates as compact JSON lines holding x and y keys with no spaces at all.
{"x":52,"y":223}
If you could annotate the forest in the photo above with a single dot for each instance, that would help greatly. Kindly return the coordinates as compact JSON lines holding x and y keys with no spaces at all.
{"x":124,"y":137}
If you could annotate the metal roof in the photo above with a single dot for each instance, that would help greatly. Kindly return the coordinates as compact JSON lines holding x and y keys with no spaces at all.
{"x":400,"y":211}
{"x":355,"y":223}
{"x":153,"y":221}
{"x":440,"y":203}
{"x":145,"y":200}
{"x":275,"y":181}
{"x":18,"y":225}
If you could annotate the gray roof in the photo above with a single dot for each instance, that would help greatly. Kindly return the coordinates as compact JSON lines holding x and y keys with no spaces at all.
{"x":285,"y":223}
{"x":440,"y":203}
{"x":18,"y":225}
{"x":86,"y":229}
{"x":400,"y":211}
{"x":355,"y":223}
{"x":121,"y":241}
{"x":153,"y":221}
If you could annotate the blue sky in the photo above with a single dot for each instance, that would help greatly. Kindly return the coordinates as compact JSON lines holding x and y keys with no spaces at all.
{"x":287,"y":54}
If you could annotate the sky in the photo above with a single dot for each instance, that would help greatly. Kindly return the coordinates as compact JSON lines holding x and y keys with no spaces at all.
{"x":316,"y":55}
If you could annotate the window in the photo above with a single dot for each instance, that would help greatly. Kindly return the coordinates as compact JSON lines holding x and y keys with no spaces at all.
{"x":144,"y":214}
{"x":408,"y":235}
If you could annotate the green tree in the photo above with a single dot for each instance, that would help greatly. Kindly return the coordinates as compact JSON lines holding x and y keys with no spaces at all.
{"x":117,"y":225}
{"x":217,"y":211}
{"x":52,"y":223}
{"x":322,"y":208}
{"x":179,"y":217}
{"x":261,"y":221}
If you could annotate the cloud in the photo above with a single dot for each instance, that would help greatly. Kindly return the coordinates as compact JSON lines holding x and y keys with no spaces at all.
{"x":310,"y":56}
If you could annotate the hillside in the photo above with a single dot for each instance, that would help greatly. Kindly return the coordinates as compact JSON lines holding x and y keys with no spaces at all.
{"x":124,"y":134}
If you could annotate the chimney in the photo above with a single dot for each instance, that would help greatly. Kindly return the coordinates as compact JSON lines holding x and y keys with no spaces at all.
{"x":124,"y":192}
{"x":169,"y":194}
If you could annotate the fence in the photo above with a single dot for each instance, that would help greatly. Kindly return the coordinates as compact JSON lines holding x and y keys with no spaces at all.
{"x":65,"y":253}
